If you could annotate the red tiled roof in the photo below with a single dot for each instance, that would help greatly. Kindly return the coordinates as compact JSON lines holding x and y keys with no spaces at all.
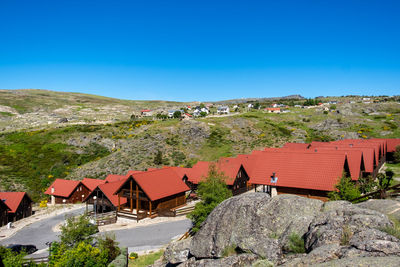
{"x":92,"y":183}
{"x":159,"y":183}
{"x":228,"y":166}
{"x":298,"y":170}
{"x":110,"y":188}
{"x":12,"y":199}
{"x":273,"y":109}
{"x":129,"y":173}
{"x":296,"y":145}
{"x":62,"y":187}
{"x":115,"y":177}
{"x":145,"y":110}
{"x":392,"y":144}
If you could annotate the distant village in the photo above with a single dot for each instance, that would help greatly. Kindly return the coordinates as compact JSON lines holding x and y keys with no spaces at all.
{"x":281,"y":106}
{"x":310,"y":170}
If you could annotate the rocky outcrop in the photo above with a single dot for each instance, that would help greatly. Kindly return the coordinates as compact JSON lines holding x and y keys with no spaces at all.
{"x":256,"y":223}
{"x":257,"y":229}
{"x":386,"y":206}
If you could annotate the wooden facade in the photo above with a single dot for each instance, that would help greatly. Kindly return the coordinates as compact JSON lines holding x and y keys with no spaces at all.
{"x":3,"y":213}
{"x":140,"y":203}
{"x":308,"y":193}
{"x":240,"y":184}
{"x":101,"y":204}
{"x":77,"y":195}
{"x":24,"y":210}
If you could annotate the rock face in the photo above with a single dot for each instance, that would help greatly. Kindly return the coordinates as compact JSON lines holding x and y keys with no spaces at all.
{"x":258,"y":228}
{"x":254,"y":222}
{"x":385,"y":206}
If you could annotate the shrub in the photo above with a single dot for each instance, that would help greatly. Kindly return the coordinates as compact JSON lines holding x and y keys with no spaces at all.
{"x":77,"y":230}
{"x":133,"y":255}
{"x":212,"y":192}
{"x":296,"y":244}
{"x":346,"y":190}
{"x":396,"y":155}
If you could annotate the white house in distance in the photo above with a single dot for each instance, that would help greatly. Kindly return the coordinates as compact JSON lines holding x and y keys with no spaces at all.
{"x":146,"y":112}
{"x":223,"y":110}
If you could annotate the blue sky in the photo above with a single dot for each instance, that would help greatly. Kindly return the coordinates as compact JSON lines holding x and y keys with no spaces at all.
{"x":201,"y":50}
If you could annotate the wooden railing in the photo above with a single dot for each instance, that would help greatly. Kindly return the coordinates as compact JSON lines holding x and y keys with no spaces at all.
{"x":104,"y":218}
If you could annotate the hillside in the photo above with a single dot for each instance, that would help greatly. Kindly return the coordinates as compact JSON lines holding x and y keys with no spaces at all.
{"x":100,"y":138}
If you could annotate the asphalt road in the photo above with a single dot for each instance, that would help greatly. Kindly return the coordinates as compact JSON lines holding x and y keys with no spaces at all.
{"x":140,"y":238}
{"x":38,"y":233}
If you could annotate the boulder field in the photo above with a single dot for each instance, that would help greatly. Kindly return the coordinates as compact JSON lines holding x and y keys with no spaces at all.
{"x":287,"y":230}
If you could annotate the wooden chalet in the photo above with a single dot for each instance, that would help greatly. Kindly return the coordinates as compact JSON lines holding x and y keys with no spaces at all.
{"x":103,"y":198}
{"x":236,"y":175}
{"x":4,"y":209}
{"x":152,"y":193}
{"x":67,"y":191}
{"x":19,"y":204}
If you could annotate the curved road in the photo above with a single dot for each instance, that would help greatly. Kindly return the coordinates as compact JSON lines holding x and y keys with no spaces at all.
{"x":139,"y":238}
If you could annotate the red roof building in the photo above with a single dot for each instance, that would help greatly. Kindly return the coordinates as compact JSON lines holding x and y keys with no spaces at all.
{"x":4,"y":209}
{"x":67,"y":191}
{"x":19,"y":204}
{"x":91,"y":184}
{"x":106,"y":200}
{"x":152,"y":192}
{"x":115,"y":177}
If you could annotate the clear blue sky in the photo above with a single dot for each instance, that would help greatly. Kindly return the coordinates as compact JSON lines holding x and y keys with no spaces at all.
{"x":201,"y":50}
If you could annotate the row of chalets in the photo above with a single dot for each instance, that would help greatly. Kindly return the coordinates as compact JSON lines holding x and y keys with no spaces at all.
{"x":310,"y":170}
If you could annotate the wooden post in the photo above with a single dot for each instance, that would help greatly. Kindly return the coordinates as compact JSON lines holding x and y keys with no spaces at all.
{"x":131,"y":195}
{"x":150,"y":208}
{"x":119,"y":201}
{"x":137,"y":203}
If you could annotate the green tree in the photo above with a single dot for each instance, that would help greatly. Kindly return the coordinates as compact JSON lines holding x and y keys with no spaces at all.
{"x":203,"y":114}
{"x":83,"y":255}
{"x":12,"y":259}
{"x":77,"y":230}
{"x":212,"y":192}
{"x":366,"y":184}
{"x":158,"y":159}
{"x":177,"y":114}
{"x":396,"y":155}
{"x":345,"y":190}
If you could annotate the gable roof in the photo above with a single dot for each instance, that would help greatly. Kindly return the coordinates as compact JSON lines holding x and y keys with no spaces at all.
{"x":392,"y":144}
{"x":62,"y":187}
{"x":158,"y":183}
{"x":13,"y":199}
{"x":108,"y":190}
{"x":228,"y":166}
{"x":115,"y":177}
{"x":92,"y":183}
{"x":297,"y":170}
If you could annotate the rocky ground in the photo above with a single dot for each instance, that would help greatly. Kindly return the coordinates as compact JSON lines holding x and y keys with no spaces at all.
{"x":256,"y":230}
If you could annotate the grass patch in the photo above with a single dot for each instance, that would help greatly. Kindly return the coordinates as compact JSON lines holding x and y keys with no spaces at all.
{"x":6,"y":114}
{"x":146,"y":260}
{"x":296,"y":244}
{"x":393,"y":230}
{"x":346,"y":235}
{"x":230,"y":250}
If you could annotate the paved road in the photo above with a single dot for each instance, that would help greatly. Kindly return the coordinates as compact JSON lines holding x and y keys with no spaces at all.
{"x":144,"y":237}
{"x":38,"y":233}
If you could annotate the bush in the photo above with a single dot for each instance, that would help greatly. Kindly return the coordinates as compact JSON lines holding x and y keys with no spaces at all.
{"x":296,"y":244}
{"x":346,"y":190}
{"x":83,"y":255}
{"x":77,"y":230}
{"x":212,"y":192}
{"x":396,"y":155}
{"x":133,"y":255}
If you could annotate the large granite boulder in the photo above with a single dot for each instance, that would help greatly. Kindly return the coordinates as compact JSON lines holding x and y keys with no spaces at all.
{"x":341,"y":222}
{"x":386,"y":206}
{"x":177,"y":251}
{"x":242,"y":260}
{"x":362,"y":261}
{"x":254,"y":223}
